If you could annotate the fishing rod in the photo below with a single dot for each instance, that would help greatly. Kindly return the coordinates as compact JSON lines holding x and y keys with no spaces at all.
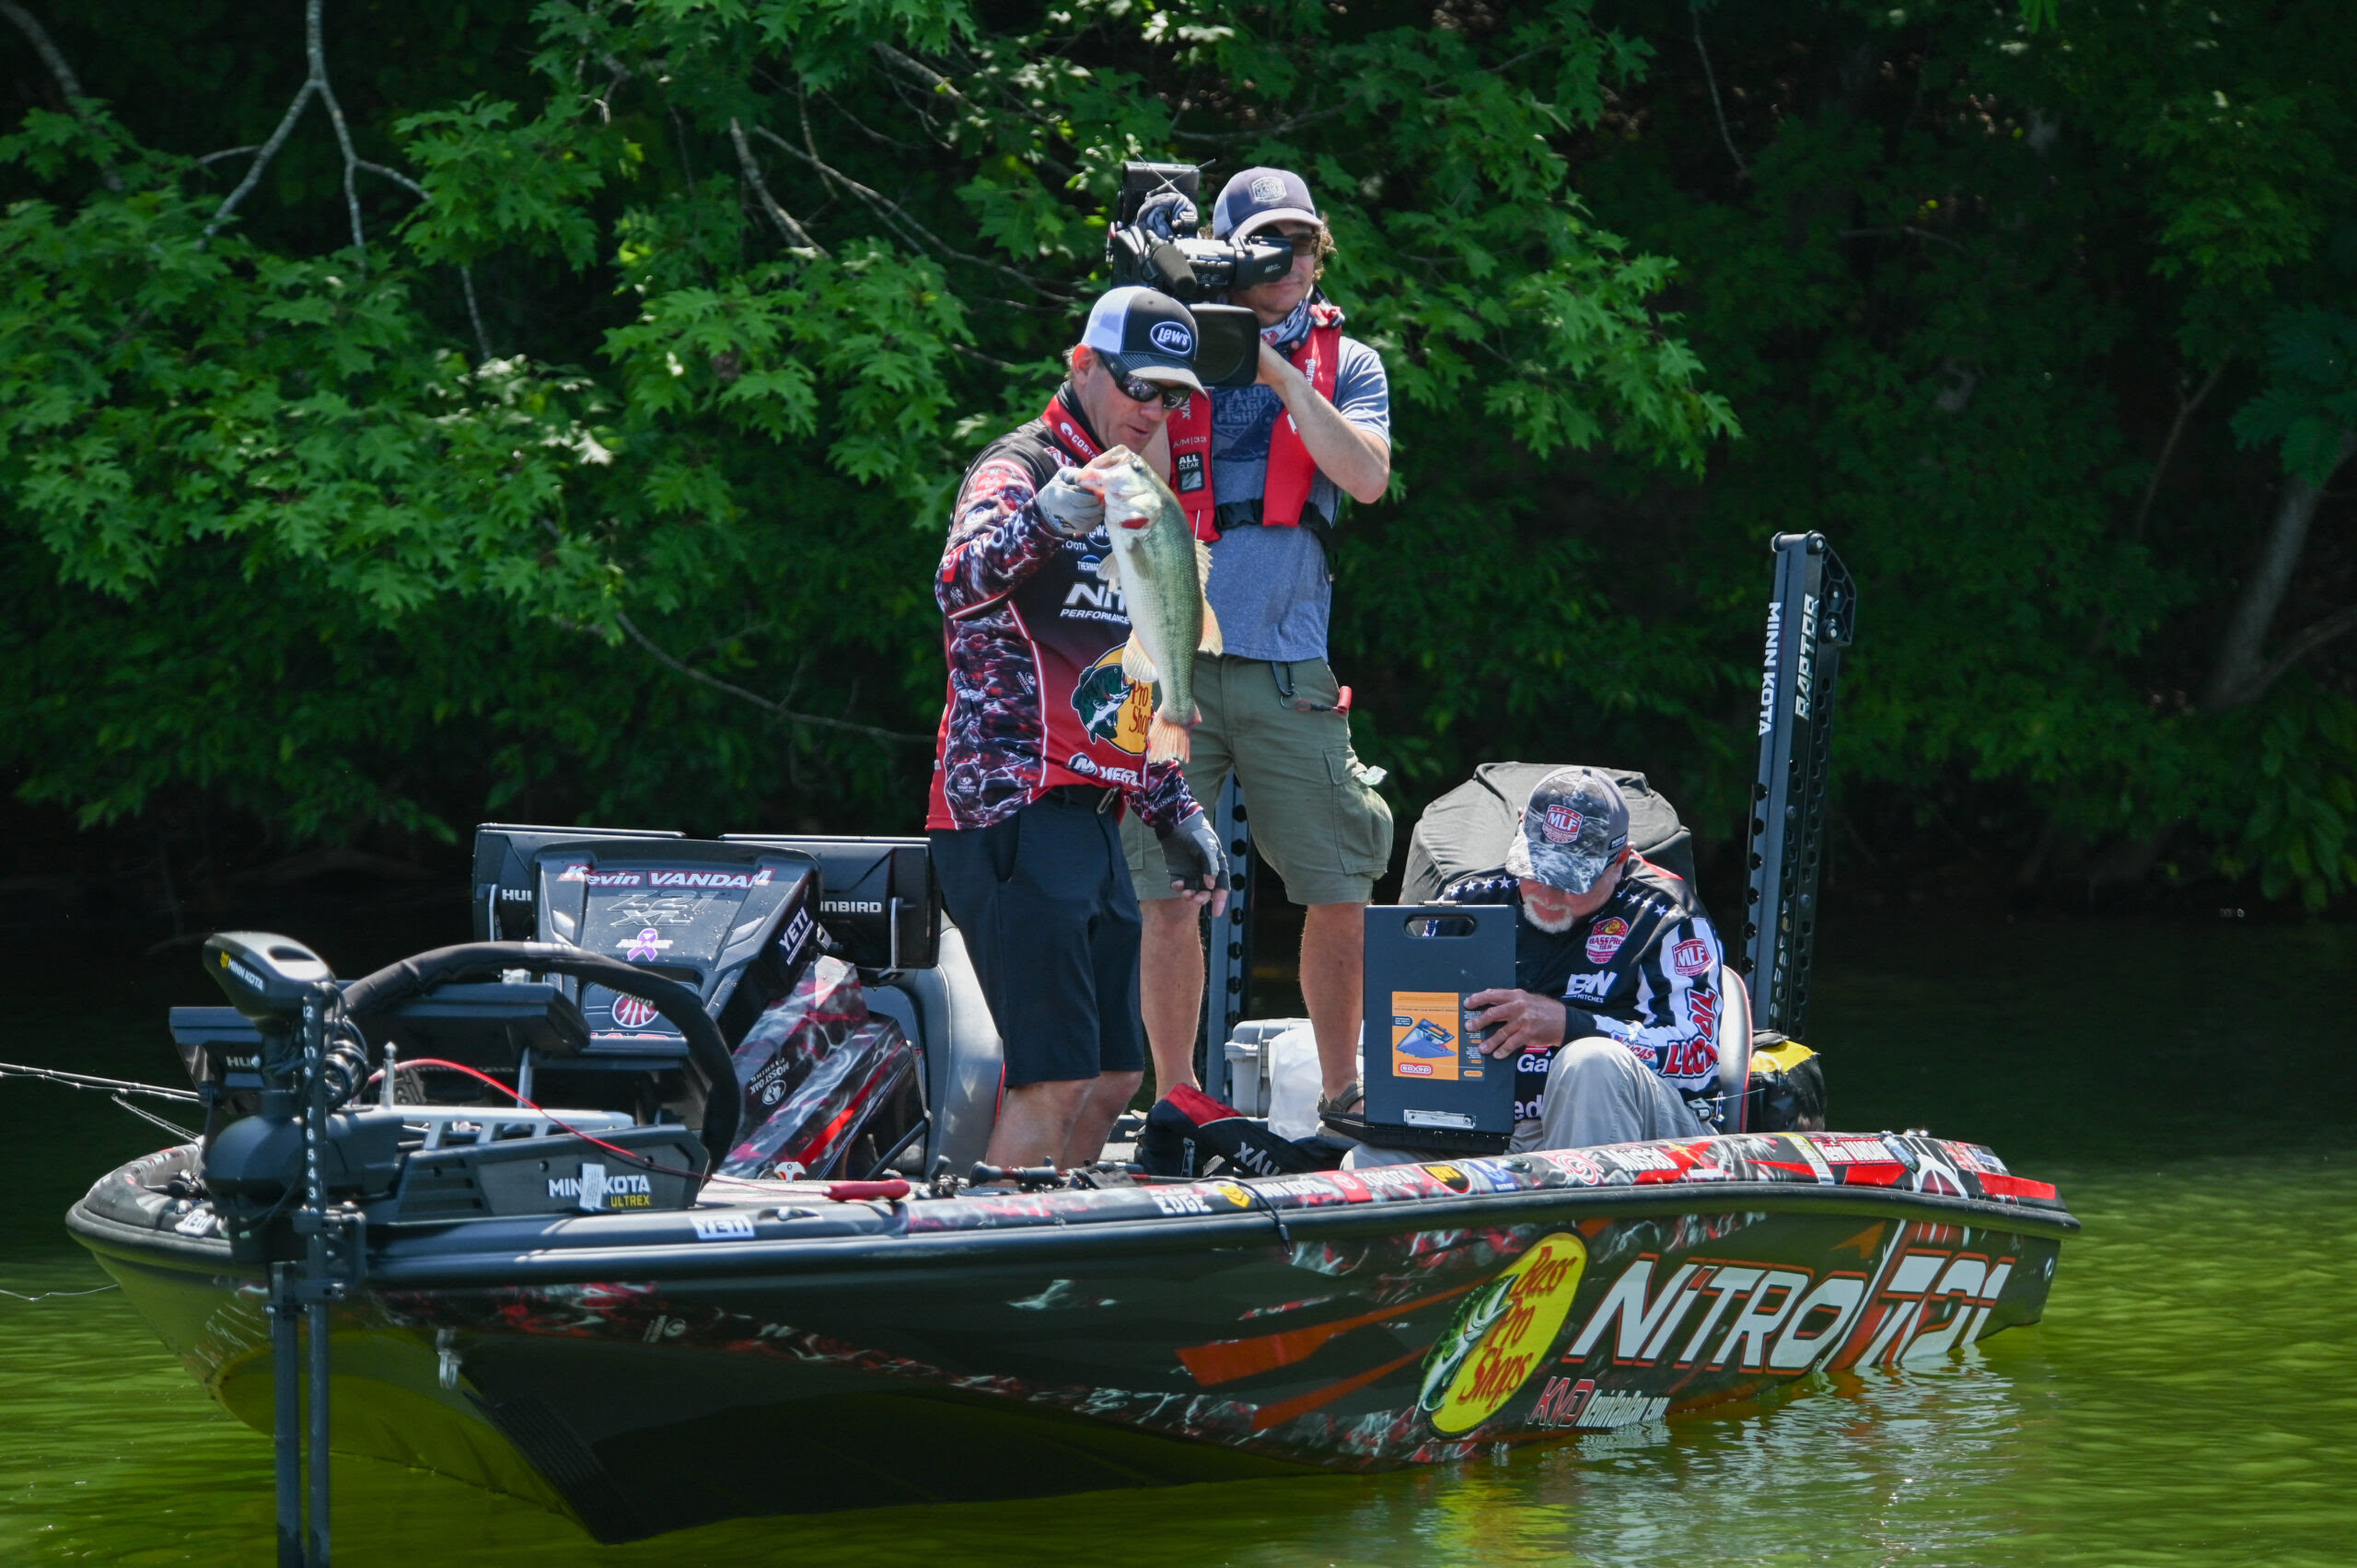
{"x":92,"y":1081}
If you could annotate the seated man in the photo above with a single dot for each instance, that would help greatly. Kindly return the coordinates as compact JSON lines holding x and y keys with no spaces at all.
{"x":1614,"y":1024}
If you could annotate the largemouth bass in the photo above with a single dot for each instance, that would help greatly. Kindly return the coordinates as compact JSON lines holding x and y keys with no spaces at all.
{"x":1159,"y":566}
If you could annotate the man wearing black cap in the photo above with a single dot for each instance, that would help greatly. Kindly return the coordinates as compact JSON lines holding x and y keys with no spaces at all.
{"x":1277,"y":457}
{"x":1042,"y":741}
{"x":1614,"y":1025}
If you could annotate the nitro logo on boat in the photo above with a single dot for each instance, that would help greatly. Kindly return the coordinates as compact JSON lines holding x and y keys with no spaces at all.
{"x":1499,"y":1335}
{"x":1604,"y":938}
{"x":1113,"y":710}
{"x":597,"y":1187}
{"x":682,"y":877}
{"x":1785,"y":1319}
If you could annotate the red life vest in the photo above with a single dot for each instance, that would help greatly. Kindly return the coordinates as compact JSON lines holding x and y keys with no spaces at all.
{"x":1286,"y":491}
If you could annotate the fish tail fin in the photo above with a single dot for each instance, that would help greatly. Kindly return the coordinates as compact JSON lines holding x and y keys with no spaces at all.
{"x":1135,"y":664}
{"x":1212,"y":643}
{"x":1167,"y":742}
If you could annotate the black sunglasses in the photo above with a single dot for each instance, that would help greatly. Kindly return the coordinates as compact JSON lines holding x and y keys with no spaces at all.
{"x":1138,"y":389}
{"x":1303,"y":244}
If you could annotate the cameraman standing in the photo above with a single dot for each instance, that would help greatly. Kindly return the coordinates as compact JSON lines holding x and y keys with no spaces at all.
{"x":1283,"y":453}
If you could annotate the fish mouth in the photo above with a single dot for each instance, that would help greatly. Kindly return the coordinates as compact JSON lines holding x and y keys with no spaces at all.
{"x":1135,"y":522}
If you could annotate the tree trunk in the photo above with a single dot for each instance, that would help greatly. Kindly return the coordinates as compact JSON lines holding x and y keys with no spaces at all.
{"x":2241,"y":674}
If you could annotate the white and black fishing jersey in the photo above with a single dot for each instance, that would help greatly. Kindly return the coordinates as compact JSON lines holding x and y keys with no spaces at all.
{"x":1644,"y":970}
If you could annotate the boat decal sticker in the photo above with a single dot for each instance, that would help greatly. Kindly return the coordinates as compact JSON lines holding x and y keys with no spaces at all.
{"x":1501,"y":1334}
{"x":728,"y":1227}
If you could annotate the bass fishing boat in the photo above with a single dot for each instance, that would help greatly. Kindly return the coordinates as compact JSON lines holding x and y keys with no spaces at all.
{"x":745,"y":1213}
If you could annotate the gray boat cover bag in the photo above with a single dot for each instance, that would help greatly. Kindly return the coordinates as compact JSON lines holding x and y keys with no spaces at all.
{"x":1467,"y":830}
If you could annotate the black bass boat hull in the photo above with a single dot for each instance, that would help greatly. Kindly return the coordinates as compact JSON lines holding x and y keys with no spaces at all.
{"x":780,"y":1352}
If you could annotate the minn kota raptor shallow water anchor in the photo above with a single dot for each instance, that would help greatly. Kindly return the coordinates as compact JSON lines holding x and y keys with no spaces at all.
{"x":289,"y":992}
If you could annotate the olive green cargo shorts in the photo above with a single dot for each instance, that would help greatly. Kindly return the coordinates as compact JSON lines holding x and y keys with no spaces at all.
{"x":1312,"y":818}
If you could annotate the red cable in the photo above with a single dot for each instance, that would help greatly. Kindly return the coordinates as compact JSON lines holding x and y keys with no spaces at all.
{"x":640,"y":1160}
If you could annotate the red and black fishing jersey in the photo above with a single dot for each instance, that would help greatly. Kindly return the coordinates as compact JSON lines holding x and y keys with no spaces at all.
{"x":1644,"y":970}
{"x":1033,"y":639}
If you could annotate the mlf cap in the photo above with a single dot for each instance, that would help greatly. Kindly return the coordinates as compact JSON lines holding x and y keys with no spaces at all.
{"x":1145,"y":333}
{"x":1576,"y":822}
{"x":1255,"y":198}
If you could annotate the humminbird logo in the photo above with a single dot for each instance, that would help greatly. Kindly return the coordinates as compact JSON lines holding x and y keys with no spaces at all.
{"x":597,"y":1187}
{"x":851,"y":906}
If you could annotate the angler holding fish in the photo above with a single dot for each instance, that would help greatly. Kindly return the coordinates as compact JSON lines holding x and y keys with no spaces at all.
{"x":1056,"y":578}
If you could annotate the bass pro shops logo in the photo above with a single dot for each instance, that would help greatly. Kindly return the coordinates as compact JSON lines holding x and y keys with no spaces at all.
{"x":1112,"y":708}
{"x":1499,"y":1335}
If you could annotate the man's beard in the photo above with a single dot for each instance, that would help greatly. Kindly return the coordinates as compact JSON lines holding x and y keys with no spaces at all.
{"x":1554,"y":925}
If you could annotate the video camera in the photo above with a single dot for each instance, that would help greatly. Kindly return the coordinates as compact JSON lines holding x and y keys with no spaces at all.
{"x":1150,"y":245}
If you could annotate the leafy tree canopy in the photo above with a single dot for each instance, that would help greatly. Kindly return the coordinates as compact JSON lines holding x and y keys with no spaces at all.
{"x":550,"y":411}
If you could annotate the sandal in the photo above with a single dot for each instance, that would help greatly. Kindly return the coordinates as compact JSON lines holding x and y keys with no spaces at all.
{"x":1342,"y":1104}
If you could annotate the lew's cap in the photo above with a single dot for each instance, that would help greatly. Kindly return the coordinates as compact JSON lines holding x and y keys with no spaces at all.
{"x":1145,"y":333}
{"x":1257,"y":197}
{"x":1576,"y":824}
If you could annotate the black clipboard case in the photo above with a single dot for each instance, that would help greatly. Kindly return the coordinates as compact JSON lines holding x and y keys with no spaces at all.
{"x":1427,"y":1083}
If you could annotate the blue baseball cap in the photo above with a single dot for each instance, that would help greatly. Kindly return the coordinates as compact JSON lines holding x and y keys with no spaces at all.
{"x":1145,"y":334}
{"x":1255,"y":198}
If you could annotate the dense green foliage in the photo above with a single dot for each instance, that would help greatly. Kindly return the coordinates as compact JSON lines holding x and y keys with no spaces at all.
{"x":573,"y":440}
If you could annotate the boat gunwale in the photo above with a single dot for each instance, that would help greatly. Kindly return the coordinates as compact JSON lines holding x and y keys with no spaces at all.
{"x":898,"y":1249}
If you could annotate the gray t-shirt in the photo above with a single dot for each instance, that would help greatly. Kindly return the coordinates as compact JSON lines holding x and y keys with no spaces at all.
{"x":1268,"y":586}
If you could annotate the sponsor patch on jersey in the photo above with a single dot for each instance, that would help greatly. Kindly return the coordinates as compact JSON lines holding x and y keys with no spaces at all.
{"x":1604,"y":938}
{"x":1186,"y":472}
{"x":1690,"y":957}
{"x":992,"y":477}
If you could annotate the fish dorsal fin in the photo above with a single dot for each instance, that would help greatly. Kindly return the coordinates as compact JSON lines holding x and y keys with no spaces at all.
{"x":1211,"y":642}
{"x":1203,"y":560}
{"x":1135,"y":665}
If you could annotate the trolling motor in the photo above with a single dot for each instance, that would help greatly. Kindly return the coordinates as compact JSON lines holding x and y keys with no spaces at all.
{"x":288,"y":991}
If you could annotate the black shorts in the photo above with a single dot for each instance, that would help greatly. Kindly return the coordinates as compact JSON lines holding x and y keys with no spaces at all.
{"x":1052,"y":924}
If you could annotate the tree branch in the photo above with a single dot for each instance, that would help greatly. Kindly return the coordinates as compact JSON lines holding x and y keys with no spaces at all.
{"x":69,"y":86}
{"x":1711,"y":80}
{"x":796,"y":235}
{"x":909,"y":229}
{"x":2240,"y":676}
{"x":474,"y":315}
{"x":2185,"y":407}
{"x":2339,"y":623}
{"x":933,"y":80}
{"x":778,"y":710}
{"x":262,"y":156}
{"x":1897,"y":229}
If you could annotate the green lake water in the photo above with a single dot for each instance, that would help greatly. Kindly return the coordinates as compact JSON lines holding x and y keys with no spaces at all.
{"x":2189,"y":1399}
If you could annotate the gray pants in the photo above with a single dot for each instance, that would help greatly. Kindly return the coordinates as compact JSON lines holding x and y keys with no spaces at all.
{"x":1597,"y":1092}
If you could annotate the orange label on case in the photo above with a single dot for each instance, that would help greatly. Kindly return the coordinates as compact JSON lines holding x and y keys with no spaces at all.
{"x":1424,"y":1027}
